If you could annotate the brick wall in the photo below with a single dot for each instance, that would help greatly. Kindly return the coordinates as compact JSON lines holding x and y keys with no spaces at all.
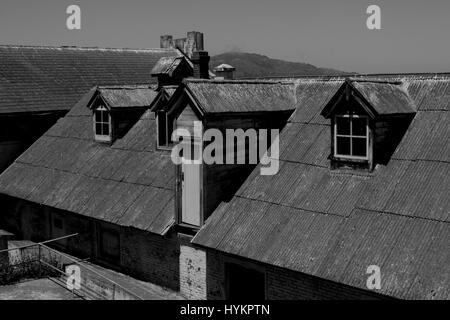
{"x":151,"y":257}
{"x":192,"y":271}
{"x":281,"y":284}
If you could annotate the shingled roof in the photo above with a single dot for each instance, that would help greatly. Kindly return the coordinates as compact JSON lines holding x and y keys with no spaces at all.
{"x":334,"y":225}
{"x":129,"y":183}
{"x":377,"y":97}
{"x":222,"y":96}
{"x":126,"y":96}
{"x":38,"y":79}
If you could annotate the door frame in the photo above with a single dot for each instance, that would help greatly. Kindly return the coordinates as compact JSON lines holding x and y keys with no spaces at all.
{"x":179,"y":198}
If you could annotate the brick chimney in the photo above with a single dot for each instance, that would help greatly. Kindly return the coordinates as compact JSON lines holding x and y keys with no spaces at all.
{"x":166,"y":42}
{"x":200,"y":59}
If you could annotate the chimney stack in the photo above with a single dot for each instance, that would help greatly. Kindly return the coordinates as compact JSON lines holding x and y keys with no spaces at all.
{"x":225,"y":71}
{"x":166,"y":42}
{"x":200,"y":59}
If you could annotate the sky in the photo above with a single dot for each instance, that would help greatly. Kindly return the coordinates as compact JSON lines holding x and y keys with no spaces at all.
{"x":415,"y":34}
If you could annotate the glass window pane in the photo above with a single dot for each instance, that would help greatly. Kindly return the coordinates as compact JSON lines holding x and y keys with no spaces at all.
{"x":359,"y":126}
{"x":105,"y":129}
{"x":98,"y":129}
{"x":343,"y":145}
{"x":359,"y":147}
{"x":98,"y":116}
{"x":343,"y":125}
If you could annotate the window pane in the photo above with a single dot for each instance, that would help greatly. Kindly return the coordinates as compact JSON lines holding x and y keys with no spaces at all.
{"x":343,"y":125}
{"x":98,"y":128}
{"x":343,"y":145}
{"x":98,"y":116}
{"x":359,"y":126}
{"x":105,"y":129}
{"x":359,"y":147}
{"x":162,"y":129}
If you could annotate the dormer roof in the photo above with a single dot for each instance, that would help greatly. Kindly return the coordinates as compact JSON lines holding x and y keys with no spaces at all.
{"x":119,"y":97}
{"x":163,"y":96}
{"x":238,"y":96}
{"x":170,"y":65}
{"x":378,"y":98}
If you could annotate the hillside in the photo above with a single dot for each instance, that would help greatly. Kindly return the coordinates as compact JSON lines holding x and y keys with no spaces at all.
{"x":256,"y":65}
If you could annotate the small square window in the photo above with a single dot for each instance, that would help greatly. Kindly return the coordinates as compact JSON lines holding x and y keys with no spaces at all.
{"x":343,"y":125}
{"x":343,"y":145}
{"x":359,"y":147}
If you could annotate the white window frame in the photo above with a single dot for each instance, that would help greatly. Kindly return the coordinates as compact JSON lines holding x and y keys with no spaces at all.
{"x":350,"y":136}
{"x":102,"y":137}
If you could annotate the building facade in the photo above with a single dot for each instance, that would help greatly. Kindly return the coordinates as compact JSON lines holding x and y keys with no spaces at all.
{"x":362,"y":181}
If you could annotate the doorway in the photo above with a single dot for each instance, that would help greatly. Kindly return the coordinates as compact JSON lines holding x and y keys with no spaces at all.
{"x":244,"y":283}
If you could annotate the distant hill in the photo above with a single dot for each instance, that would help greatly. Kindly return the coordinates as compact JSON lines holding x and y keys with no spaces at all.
{"x":257,"y":65}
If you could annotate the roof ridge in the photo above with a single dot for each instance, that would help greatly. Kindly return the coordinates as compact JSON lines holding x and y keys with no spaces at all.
{"x":81,"y":48}
{"x":125,"y":87}
{"x":225,"y":81}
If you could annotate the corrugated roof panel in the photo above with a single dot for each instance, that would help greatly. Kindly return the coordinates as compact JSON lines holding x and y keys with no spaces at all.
{"x":312,"y":96}
{"x":426,"y":138}
{"x":437,"y":97}
{"x":146,"y":208}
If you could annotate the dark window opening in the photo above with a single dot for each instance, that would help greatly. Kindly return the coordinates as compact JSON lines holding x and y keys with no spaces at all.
{"x":245,"y":283}
{"x":165,"y":130}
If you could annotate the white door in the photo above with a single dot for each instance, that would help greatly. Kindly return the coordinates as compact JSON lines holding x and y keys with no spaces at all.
{"x":191,"y":194}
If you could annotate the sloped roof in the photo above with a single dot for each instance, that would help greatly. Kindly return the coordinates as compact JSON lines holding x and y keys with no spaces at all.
{"x":127,"y":96}
{"x":224,"y":67}
{"x":167,"y":65}
{"x":163,"y":96}
{"x":233,"y":96}
{"x":129,"y":183}
{"x":380,"y":97}
{"x":335,"y":224}
{"x":36,"y":79}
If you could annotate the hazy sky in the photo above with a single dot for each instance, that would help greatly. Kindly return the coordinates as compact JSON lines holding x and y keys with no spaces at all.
{"x":415,"y":35}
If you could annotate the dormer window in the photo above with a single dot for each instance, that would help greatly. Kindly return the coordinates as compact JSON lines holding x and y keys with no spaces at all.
{"x":351,"y":137}
{"x":368,"y":120}
{"x":164,"y":131}
{"x":102,"y":124}
{"x":115,"y":110}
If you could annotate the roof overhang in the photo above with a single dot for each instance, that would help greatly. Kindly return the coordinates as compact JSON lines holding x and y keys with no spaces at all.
{"x":377,"y":99}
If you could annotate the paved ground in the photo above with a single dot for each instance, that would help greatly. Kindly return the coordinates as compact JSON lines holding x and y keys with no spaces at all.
{"x":42,"y":289}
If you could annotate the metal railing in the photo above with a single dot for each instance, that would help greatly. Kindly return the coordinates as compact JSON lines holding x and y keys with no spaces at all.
{"x":71,"y":273}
